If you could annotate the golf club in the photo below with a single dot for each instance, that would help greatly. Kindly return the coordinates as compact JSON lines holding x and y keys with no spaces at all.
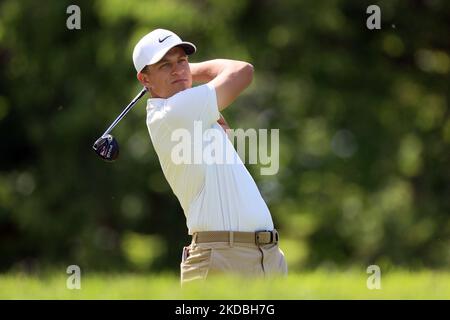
{"x":107,"y":146}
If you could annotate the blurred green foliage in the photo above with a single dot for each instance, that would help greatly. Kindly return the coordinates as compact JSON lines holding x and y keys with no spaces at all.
{"x":363,"y":116}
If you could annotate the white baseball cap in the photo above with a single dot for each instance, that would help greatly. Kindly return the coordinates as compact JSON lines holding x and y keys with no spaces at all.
{"x":153,"y":46}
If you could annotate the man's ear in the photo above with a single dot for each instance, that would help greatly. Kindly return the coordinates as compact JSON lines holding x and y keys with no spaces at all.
{"x":143,"y":79}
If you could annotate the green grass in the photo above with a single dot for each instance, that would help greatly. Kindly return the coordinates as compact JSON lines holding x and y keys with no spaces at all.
{"x":314,"y":285}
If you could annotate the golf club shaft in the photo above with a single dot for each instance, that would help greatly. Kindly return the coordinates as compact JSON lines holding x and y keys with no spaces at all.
{"x":124,"y":112}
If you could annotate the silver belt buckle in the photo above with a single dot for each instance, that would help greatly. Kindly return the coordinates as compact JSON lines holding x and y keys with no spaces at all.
{"x":273,"y":237}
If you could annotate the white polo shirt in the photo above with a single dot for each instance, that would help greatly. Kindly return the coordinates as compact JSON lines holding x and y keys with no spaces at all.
{"x":215,"y":195}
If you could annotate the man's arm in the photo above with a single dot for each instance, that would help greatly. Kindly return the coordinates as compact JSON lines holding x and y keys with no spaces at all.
{"x":225,"y":126}
{"x":229,"y":78}
{"x":223,"y":123}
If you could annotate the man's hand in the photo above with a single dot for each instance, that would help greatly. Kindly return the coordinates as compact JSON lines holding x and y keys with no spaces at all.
{"x":229,"y":78}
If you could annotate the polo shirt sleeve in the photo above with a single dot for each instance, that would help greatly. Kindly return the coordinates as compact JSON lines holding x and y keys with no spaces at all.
{"x":194,"y":104}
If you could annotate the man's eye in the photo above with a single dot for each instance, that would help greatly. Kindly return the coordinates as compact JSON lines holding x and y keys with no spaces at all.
{"x":164,"y":65}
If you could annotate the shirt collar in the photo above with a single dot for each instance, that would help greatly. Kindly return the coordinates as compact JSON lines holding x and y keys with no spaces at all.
{"x":155,"y":103}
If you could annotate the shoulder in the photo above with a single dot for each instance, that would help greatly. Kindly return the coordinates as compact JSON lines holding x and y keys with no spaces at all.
{"x":191,"y":95}
{"x":193,"y":104}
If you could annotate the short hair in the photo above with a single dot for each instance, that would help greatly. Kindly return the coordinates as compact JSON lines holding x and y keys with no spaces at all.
{"x":145,"y":69}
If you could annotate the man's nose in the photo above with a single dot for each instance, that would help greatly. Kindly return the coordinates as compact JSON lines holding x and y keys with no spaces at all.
{"x":177,"y":69}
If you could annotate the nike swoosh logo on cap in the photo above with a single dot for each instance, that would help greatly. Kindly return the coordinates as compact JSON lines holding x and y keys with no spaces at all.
{"x":164,"y":38}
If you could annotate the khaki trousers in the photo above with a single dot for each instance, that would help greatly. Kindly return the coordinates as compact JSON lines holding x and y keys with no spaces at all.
{"x":204,"y":260}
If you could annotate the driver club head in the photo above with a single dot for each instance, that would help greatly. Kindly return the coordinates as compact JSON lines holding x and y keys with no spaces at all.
{"x":107,"y":148}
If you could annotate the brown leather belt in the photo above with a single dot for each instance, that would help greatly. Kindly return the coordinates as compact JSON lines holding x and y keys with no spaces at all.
{"x":258,"y":238}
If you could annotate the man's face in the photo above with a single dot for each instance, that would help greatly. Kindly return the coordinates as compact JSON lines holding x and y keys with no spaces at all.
{"x":168,"y":76}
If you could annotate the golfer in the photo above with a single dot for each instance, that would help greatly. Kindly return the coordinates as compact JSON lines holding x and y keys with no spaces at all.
{"x":231,"y":226}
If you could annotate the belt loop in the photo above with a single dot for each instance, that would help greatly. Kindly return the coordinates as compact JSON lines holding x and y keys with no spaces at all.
{"x":231,"y":238}
{"x":194,"y":238}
